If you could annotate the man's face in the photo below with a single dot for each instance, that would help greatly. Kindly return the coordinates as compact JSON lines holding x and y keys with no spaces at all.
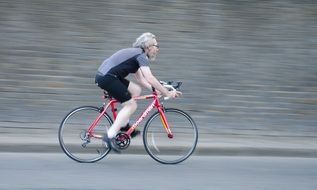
{"x":153,"y":50}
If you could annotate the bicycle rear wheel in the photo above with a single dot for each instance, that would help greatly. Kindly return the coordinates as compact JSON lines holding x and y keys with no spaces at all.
{"x":170,"y":150}
{"x":74,"y":139}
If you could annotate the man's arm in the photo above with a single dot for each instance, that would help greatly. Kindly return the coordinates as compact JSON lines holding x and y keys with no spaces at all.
{"x":148,"y":76}
{"x":140,"y":78}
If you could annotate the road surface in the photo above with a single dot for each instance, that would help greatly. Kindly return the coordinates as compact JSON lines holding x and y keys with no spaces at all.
{"x":55,"y":171}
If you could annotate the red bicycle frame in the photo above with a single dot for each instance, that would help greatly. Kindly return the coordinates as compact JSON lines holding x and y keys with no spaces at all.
{"x":112,"y":102}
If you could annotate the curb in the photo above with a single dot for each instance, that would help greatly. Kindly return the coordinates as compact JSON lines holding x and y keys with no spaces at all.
{"x":200,"y":151}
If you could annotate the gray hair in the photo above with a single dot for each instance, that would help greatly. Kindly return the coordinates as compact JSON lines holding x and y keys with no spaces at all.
{"x":143,"y":40}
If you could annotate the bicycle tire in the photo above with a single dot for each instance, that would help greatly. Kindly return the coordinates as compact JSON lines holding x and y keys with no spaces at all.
{"x":170,"y":150}
{"x":72,"y":132}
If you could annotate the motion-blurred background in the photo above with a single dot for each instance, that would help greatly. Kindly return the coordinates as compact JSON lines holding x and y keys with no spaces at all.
{"x":248,"y":67}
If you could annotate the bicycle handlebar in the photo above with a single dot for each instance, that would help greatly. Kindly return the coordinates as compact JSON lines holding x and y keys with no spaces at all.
{"x":170,"y":85}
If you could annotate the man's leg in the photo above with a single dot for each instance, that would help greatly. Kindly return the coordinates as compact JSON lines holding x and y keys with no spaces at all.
{"x":123,"y":116}
{"x":135,"y":90}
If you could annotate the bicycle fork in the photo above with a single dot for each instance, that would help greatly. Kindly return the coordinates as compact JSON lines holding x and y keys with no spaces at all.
{"x":165,"y":123}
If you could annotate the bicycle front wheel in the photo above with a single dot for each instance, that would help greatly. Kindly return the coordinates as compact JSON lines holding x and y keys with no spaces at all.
{"x":75,"y":140}
{"x":168,"y":150}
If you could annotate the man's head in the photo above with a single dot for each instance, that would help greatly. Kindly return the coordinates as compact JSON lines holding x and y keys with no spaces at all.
{"x":147,"y":41}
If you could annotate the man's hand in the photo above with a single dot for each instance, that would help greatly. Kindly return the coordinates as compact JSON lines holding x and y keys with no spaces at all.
{"x":174,"y":94}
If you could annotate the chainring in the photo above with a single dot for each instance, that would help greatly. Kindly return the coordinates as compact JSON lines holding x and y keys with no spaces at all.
{"x":122,"y":140}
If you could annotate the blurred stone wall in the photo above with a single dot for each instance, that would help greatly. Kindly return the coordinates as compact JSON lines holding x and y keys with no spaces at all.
{"x":248,"y":67}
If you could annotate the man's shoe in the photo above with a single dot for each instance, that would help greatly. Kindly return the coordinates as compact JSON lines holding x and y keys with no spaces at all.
{"x":133,"y":134}
{"x":111,"y":143}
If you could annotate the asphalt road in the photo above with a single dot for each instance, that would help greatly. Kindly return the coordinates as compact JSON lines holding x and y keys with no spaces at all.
{"x":55,"y":171}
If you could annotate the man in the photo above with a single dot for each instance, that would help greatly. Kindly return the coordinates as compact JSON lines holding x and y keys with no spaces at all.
{"x":111,"y":77}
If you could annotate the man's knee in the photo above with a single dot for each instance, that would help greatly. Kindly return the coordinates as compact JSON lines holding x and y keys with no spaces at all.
{"x":138,"y":91}
{"x":134,"y":89}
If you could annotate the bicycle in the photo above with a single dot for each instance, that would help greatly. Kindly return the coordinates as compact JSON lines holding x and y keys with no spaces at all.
{"x":170,"y":135}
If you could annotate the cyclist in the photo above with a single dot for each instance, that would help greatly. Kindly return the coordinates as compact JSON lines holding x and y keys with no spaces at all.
{"x":111,"y":77}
